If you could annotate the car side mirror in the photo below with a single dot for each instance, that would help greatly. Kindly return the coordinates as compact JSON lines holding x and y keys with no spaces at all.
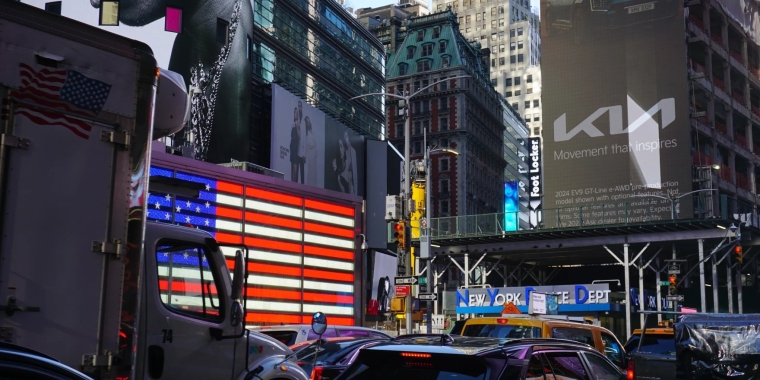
{"x":238,"y":276}
{"x":236,"y":314}
{"x":319,"y":323}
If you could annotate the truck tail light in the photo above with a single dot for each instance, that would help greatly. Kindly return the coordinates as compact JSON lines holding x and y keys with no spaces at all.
{"x":629,"y":373}
{"x":316,"y":373}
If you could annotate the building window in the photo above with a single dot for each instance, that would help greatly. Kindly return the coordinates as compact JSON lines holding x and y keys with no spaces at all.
{"x":461,"y":19}
{"x":468,"y":30}
{"x":517,"y":81}
{"x":536,"y":117}
{"x":420,"y":35}
{"x":511,"y":46}
{"x":501,"y":22}
{"x":417,"y":128}
{"x":501,"y":10}
{"x":501,"y":62}
{"x":415,"y":88}
{"x":502,"y":48}
{"x":443,"y":84}
{"x":508,"y":82}
{"x":477,"y":17}
{"x":519,"y":31}
{"x":248,"y":48}
{"x":425,"y":103}
{"x":444,"y":143}
{"x":423,"y":65}
{"x":410,"y":52}
{"x":527,"y":117}
{"x":493,"y":81}
{"x":425,"y":84}
{"x":493,"y":62}
{"x":493,"y":11}
{"x":536,"y":131}
{"x":441,"y":47}
{"x":483,"y":37}
{"x":468,"y":19}
{"x":511,"y":59}
{"x":535,"y":102}
{"x":520,"y":58}
{"x":222,"y":31}
{"x":427,"y":49}
{"x":444,"y":207}
{"x":508,"y":94}
{"x":443,"y":104}
{"x":493,"y":36}
{"x":501,"y":35}
{"x":445,"y":61}
{"x":527,"y":104}
{"x":514,"y":106}
{"x":417,"y":147}
{"x":399,"y":130}
{"x":443,"y":124}
{"x":529,"y":91}
{"x":519,"y":44}
{"x":402,"y":68}
{"x":436,"y":32}
{"x":53,"y":7}
{"x":444,"y":164}
{"x":517,"y":93}
{"x":529,"y":79}
{"x":511,"y":32}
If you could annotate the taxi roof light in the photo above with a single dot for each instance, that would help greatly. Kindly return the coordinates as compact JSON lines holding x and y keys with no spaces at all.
{"x":502,"y":321}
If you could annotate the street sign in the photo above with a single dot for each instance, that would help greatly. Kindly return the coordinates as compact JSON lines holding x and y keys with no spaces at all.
{"x":423,"y":288}
{"x":675,"y":297}
{"x":422,"y":280}
{"x":439,"y":321}
{"x":664,"y":283}
{"x":402,"y":290}
{"x":674,"y":269}
{"x":401,"y":270}
{"x":406,"y":280}
{"x":427,"y":296}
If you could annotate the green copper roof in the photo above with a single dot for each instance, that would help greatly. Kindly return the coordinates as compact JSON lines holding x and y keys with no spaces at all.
{"x":458,"y":50}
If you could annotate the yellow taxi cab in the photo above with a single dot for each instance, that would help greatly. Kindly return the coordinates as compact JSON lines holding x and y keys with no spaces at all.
{"x":521,"y":326}
{"x":658,"y":340}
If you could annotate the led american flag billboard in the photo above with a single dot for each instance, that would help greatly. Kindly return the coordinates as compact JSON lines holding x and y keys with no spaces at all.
{"x":301,"y":250}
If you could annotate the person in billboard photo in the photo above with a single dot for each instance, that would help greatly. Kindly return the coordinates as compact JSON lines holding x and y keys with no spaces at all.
{"x":295,"y":143}
{"x":340,"y":168}
{"x":301,"y":144}
{"x":311,"y":154}
{"x":214,"y":63}
{"x":351,"y":164}
{"x":383,"y":295}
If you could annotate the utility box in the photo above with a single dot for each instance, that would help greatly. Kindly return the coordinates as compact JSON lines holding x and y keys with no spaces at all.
{"x":392,"y":207}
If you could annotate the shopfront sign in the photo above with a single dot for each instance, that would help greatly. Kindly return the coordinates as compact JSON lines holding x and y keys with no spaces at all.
{"x":569,"y":298}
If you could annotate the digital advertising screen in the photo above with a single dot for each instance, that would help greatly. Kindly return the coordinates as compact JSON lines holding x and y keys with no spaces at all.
{"x":616,"y":110}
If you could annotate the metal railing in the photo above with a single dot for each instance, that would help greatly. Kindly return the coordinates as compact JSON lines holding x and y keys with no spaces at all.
{"x":638,"y":211}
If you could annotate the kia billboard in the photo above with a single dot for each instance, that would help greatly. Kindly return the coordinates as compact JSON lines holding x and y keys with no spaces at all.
{"x":615,"y":99}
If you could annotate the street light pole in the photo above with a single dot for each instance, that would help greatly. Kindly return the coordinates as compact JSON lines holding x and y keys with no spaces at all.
{"x":673,"y":199}
{"x":406,"y":191}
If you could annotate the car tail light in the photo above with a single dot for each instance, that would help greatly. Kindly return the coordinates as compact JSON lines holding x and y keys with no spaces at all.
{"x":502,"y":321}
{"x":629,"y":373}
{"x":316,"y":373}
{"x":300,"y":363}
{"x":418,"y":355}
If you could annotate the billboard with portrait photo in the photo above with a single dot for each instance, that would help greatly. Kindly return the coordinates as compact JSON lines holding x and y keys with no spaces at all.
{"x":344,"y":153}
{"x":383,"y":288}
{"x":298,"y":139}
{"x":616,"y":111}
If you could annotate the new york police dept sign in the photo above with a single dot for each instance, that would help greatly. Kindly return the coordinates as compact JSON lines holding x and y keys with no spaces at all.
{"x":493,"y":300}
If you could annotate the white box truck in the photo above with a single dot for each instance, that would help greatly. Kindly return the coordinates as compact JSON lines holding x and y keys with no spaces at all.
{"x":82,"y":275}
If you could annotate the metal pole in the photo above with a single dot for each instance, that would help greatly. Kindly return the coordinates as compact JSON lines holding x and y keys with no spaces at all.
{"x":673,"y":304}
{"x":702,"y":296}
{"x":627,"y":292}
{"x":641,"y":292}
{"x":659,"y":290}
{"x":466,"y":270}
{"x":715,"y":285}
{"x":739,"y":288}
{"x":729,"y":285}
{"x":407,"y":195}
{"x":428,"y":215}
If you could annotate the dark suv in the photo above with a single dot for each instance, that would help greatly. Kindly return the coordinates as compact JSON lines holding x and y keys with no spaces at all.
{"x":444,"y":357}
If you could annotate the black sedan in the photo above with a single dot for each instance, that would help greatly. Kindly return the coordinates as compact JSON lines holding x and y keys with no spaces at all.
{"x":468,"y":358}
{"x":333,"y":355}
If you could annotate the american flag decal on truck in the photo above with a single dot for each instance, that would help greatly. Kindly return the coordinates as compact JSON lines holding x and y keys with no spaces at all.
{"x":65,"y":90}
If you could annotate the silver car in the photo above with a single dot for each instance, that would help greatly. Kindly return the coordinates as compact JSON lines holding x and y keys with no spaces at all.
{"x":295,"y":334}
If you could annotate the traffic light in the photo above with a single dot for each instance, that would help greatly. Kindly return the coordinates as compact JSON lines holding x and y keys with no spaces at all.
{"x":672,"y":290}
{"x":738,"y":254}
{"x":399,"y":236}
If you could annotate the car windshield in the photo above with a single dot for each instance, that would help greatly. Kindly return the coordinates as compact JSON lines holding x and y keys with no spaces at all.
{"x":377,"y":365}
{"x":287,"y":338}
{"x":329,"y":351}
{"x":655,"y":344}
{"x":502,"y":331}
